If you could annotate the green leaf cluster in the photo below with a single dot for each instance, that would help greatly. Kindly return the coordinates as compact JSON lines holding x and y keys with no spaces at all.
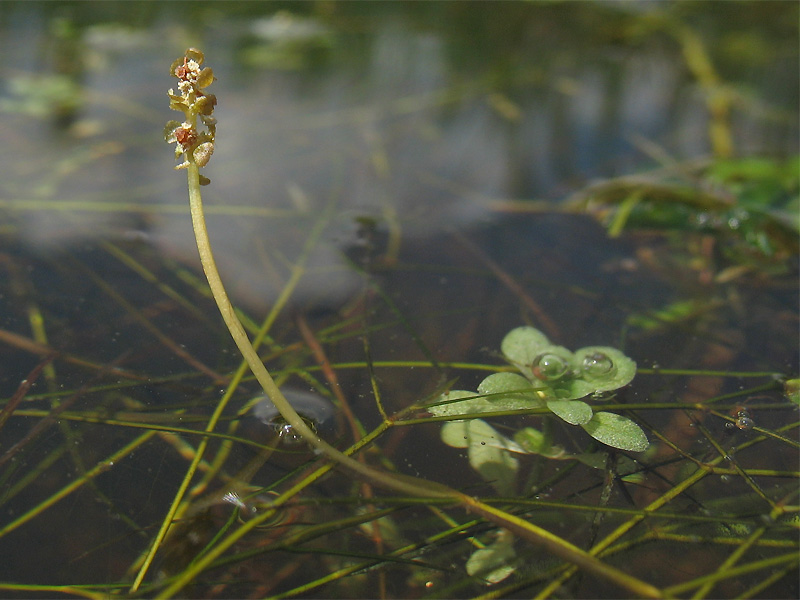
{"x":553,"y":380}
{"x":748,"y":203}
{"x":550,"y":378}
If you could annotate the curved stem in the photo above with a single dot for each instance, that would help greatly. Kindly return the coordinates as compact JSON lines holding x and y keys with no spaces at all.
{"x":393,"y":481}
{"x":260,"y":372}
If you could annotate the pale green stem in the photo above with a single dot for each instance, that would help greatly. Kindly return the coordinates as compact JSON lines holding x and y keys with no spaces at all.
{"x":260,"y":372}
{"x":395,"y":481}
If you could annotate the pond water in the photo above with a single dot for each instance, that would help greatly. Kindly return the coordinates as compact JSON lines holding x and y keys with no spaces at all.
{"x":394,"y":187}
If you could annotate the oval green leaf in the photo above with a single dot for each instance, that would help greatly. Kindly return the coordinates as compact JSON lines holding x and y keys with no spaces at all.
{"x":573,"y":412}
{"x":603,"y":368}
{"x":509,"y":391}
{"x":523,"y":344}
{"x":456,"y":403}
{"x":617,"y":431}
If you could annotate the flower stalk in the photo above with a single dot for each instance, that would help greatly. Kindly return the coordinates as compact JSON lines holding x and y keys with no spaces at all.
{"x":195,"y":145}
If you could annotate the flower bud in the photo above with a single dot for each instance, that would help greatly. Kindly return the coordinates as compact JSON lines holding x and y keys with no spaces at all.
{"x":202,"y":154}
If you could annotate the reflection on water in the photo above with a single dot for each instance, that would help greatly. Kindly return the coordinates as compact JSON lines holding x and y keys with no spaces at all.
{"x":383,"y":117}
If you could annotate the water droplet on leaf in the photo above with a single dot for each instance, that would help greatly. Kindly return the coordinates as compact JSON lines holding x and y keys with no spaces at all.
{"x":549,"y":367}
{"x":597,"y":364}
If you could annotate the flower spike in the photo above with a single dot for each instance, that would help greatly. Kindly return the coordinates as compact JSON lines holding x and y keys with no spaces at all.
{"x":193,"y":143}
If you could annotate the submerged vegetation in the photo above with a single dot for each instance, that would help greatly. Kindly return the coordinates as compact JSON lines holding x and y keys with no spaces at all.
{"x":595,"y":397}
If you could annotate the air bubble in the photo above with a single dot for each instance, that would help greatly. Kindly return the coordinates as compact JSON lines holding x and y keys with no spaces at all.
{"x":548,"y":367}
{"x":745,"y":423}
{"x":597,"y":364}
{"x":315,"y":410}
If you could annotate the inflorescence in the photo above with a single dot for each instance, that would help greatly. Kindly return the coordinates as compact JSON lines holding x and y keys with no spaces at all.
{"x":195,"y":146}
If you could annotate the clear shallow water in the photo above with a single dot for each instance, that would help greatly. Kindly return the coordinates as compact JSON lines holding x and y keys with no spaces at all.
{"x":419,"y":128}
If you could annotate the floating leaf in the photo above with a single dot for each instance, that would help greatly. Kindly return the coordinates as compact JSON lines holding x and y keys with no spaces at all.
{"x":573,"y":389}
{"x":617,"y":431}
{"x":523,"y":344}
{"x":603,"y":368}
{"x":456,"y":403}
{"x":563,"y":374}
{"x":509,"y":391}
{"x":454,"y":434}
{"x":499,"y":383}
{"x":498,"y":392}
{"x":573,"y":412}
{"x":592,"y":369}
{"x":495,"y":562}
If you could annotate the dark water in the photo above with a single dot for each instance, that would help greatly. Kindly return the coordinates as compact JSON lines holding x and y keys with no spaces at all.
{"x":440,"y":145}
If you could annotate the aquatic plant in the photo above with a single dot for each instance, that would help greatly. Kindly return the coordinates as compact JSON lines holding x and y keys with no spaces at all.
{"x":550,"y":377}
{"x":111,"y":421}
{"x":195,"y":145}
{"x":750,"y":203}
